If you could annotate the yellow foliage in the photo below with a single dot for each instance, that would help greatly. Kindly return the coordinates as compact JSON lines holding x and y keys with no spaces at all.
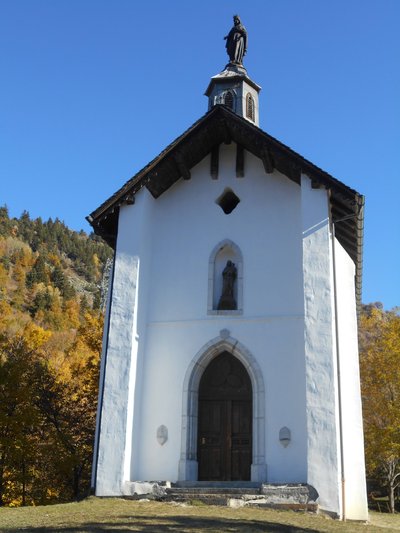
{"x":35,"y":336}
{"x":54,"y":259}
{"x":12,"y":321}
{"x":11,"y":245}
{"x":19,"y":274}
{"x":49,"y":360}
{"x":3,"y":275}
{"x":380,"y":384}
{"x":72,"y":314}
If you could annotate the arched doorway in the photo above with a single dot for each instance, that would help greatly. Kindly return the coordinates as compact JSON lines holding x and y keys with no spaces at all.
{"x":224,"y":448}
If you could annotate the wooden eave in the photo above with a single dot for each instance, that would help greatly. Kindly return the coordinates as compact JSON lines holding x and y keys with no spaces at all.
{"x":221,"y":125}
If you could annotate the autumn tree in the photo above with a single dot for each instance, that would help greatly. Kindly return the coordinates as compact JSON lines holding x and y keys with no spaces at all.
{"x":380,"y":383}
{"x":20,"y":367}
{"x":68,"y":400}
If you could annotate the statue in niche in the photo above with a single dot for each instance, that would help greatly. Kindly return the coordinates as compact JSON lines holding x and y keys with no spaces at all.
{"x":236,"y":42}
{"x":229,"y":275}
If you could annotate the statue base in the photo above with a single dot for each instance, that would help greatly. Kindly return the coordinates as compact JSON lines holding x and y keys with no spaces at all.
{"x":227,"y":304}
{"x":238,"y":68}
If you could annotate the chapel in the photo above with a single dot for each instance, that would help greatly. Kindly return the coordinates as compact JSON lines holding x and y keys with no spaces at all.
{"x":230,"y":350}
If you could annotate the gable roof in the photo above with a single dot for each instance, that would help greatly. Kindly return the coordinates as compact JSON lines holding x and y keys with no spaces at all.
{"x":221,"y":125}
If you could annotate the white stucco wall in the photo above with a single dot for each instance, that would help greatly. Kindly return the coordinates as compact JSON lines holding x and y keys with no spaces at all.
{"x":353,"y":441}
{"x":160,"y":323}
{"x":186,"y":226}
{"x":122,"y":364}
{"x":320,"y":349}
{"x":103,"y":359}
{"x":182,"y":227}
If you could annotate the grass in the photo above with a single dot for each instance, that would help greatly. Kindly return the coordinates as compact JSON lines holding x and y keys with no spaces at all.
{"x":116,"y":515}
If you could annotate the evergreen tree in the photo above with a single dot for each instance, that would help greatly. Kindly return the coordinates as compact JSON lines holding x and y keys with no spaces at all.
{"x":58,"y":278}
{"x":42,"y":301}
{"x":5,"y":222}
{"x":38,"y":273}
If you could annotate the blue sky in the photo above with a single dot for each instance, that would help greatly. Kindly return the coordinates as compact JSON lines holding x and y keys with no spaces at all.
{"x":92,"y":90}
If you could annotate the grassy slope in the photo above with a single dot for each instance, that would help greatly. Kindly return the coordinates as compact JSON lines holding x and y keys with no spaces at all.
{"x":98,"y":515}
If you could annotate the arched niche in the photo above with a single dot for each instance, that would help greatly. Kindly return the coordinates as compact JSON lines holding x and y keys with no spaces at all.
{"x":188,"y":464}
{"x":225,"y":251}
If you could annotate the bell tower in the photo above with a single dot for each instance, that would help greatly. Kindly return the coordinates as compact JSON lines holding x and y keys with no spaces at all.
{"x":232,"y":87}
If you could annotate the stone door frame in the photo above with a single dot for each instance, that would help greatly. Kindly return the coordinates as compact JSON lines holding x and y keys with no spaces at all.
{"x":188,"y":465}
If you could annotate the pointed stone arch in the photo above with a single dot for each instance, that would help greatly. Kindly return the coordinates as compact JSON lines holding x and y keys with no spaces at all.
{"x":188,"y":466}
{"x":232,"y":252}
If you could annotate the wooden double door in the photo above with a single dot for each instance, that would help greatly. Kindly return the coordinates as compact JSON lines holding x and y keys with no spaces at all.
{"x":225,"y":421}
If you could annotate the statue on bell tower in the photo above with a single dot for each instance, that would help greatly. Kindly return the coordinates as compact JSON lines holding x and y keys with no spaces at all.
{"x":233,"y":87}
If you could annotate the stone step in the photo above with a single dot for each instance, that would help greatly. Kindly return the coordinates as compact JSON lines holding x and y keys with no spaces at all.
{"x":217,"y":484}
{"x":282,"y":496}
{"x":212,"y":490}
{"x":207,"y":499}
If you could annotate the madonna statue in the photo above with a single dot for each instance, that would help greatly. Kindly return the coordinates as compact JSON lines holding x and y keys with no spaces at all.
{"x":236,"y":42}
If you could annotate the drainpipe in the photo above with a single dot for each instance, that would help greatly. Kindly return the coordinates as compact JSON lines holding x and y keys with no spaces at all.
{"x":343,"y":480}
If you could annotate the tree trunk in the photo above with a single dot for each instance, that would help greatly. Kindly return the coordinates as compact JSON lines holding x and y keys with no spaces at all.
{"x":1,"y":484}
{"x":23,"y":484}
{"x":76,"y":481}
{"x":391,"y":498}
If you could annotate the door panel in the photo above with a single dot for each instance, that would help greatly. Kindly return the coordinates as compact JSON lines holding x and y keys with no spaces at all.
{"x":211,"y":436}
{"x":241,"y":440}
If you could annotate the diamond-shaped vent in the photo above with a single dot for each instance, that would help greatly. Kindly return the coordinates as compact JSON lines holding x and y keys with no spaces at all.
{"x":227,"y":201}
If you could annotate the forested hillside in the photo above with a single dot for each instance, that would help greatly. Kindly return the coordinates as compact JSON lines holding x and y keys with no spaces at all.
{"x":52,"y":290}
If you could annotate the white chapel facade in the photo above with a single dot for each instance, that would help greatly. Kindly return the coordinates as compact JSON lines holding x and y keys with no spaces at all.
{"x":230,"y":345}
